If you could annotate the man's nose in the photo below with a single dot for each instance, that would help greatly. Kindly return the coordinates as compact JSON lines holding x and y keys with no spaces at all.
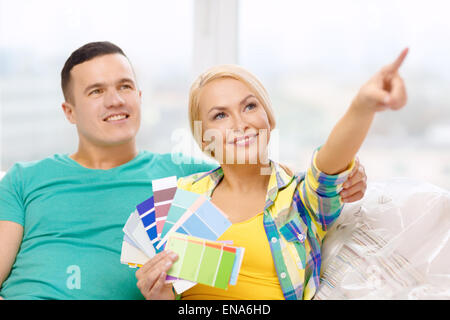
{"x":113,"y":99}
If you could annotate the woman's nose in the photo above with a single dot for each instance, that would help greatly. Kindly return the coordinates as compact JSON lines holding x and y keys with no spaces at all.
{"x":239,"y":124}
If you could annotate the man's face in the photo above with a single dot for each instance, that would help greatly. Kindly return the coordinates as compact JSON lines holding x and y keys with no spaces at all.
{"x":105,"y":101}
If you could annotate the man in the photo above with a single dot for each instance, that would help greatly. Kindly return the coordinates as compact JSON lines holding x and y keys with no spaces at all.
{"x":61,"y":218}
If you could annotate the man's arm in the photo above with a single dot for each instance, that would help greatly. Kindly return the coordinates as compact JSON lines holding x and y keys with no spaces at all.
{"x":10,"y":239}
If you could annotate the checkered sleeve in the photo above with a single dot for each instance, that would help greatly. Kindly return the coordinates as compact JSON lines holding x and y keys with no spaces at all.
{"x":319,"y":194}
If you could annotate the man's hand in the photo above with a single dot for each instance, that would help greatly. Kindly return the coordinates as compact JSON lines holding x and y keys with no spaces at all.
{"x":385,"y":90}
{"x":356,"y":184}
{"x":152,"y":275}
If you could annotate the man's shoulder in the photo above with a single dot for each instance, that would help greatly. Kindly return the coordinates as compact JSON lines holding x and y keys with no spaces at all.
{"x":24,"y":176}
{"x":175,"y":158}
{"x":180,"y":164}
{"x":30,"y":167}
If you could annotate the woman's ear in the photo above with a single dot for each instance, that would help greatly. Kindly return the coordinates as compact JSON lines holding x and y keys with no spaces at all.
{"x":209,"y":142}
{"x":69,"y":112}
{"x":208,"y":148}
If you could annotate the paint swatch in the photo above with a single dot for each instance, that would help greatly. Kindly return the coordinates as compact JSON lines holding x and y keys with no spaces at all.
{"x":202,"y":261}
{"x":181,"y":202}
{"x":163,"y":194}
{"x":202,"y":219}
{"x":146,"y":211}
{"x":237,"y":265}
{"x":188,"y":224}
{"x":131,"y":255}
{"x":135,"y":230}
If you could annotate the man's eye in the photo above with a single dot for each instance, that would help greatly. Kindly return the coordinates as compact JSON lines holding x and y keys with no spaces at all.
{"x":96,"y":91}
{"x":125,"y":86}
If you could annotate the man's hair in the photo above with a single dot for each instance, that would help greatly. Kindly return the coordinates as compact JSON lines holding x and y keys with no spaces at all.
{"x":85,"y":53}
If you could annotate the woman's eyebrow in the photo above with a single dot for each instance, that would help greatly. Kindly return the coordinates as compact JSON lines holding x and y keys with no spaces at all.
{"x":246,"y":98}
{"x":221,"y":108}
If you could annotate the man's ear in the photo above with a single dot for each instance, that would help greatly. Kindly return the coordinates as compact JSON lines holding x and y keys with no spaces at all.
{"x":68,"y":112}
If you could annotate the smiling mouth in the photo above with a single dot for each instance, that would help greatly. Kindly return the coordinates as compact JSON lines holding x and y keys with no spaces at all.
{"x":116,"y":117}
{"x":244,"y":141}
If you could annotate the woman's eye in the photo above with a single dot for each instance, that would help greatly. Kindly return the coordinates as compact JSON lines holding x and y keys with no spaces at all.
{"x":219,"y":116}
{"x":250,"y":106}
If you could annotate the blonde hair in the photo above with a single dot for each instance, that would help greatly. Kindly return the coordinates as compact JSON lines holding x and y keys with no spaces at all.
{"x":233,"y":72}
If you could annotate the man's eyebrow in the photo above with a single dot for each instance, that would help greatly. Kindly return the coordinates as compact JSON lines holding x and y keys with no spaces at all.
{"x":94,"y":85}
{"x":102,"y":84}
{"x":241,"y":103}
{"x":126,"y":80}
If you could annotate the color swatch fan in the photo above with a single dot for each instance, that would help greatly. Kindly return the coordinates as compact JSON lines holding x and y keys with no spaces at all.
{"x":188,"y":224}
{"x":194,"y":215}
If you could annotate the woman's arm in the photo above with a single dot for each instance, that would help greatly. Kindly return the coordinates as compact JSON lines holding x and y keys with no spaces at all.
{"x":385,"y":90}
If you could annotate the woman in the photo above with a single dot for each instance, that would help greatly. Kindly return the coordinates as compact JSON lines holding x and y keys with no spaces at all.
{"x":280,"y":218}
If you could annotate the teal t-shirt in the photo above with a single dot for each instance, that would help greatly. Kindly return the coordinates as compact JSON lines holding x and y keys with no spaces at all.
{"x":73,"y":219}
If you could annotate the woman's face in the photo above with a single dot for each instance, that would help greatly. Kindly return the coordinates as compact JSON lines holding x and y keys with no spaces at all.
{"x":234,"y":123}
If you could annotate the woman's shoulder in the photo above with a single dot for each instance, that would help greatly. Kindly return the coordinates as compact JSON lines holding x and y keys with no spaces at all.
{"x":199,"y":178}
{"x":189,"y":180}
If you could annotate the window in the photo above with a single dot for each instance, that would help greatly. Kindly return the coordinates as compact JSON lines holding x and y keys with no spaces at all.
{"x":311,"y":56}
{"x":155,"y":35}
{"x":314,"y":56}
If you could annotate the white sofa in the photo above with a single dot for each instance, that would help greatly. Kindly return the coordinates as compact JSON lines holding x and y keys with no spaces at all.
{"x":392,"y":244}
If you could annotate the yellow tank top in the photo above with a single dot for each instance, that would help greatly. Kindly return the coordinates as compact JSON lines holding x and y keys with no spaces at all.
{"x":257,"y":278}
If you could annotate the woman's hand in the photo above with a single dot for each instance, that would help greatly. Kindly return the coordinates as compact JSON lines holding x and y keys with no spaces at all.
{"x":385,"y":90}
{"x":152,"y":276}
{"x":355,"y":186}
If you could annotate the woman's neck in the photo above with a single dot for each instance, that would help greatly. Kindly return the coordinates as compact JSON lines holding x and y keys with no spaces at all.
{"x":245,"y":177}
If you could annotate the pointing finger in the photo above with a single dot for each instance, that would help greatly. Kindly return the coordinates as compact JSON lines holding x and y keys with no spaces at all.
{"x":393,"y":67}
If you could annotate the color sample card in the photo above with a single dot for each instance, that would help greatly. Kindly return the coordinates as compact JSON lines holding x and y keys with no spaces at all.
{"x":131,"y":255}
{"x":202,"y":219}
{"x":163,"y":194}
{"x":181,"y":286}
{"x":146,"y":211}
{"x":207,"y":221}
{"x":135,"y":230}
{"x":202,"y":261}
{"x":177,"y":217}
{"x":237,"y":265}
{"x":181,"y":202}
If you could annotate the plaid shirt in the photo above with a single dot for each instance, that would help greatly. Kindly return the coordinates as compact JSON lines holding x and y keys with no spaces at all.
{"x":297,"y":213}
